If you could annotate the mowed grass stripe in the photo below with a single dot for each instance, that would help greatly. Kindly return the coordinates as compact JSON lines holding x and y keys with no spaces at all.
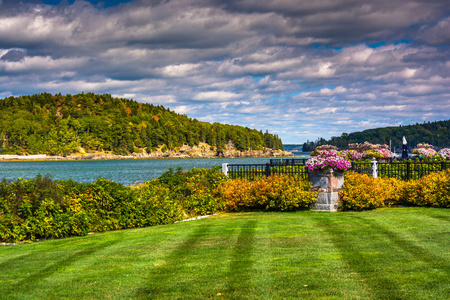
{"x":49,"y":266}
{"x":240,"y":273}
{"x":380,"y":254}
{"x":422,"y":249}
{"x":420,"y":234}
{"x":306,"y":264}
{"x":172,"y":268}
{"x":361,"y":253}
{"x":413,"y":242}
{"x":377,"y":249}
{"x":198,"y":266}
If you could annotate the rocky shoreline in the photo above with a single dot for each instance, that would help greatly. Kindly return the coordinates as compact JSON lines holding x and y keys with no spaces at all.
{"x":200,"y":151}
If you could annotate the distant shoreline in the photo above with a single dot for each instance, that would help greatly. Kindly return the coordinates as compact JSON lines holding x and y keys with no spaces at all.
{"x":153,"y":155}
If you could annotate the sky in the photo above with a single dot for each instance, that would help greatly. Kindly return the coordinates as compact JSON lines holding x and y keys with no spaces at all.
{"x":301,"y":69}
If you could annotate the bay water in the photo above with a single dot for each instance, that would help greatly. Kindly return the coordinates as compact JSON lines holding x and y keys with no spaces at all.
{"x":126,"y":172}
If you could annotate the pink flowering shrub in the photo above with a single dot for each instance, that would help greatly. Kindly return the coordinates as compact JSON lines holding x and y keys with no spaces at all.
{"x":329,"y":152}
{"x":384,"y":153}
{"x":378,"y":153}
{"x":328,"y":161}
{"x":354,"y":155}
{"x":444,"y":153}
{"x":425,"y":152}
{"x":351,"y":155}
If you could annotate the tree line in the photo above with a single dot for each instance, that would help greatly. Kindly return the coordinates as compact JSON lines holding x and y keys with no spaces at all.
{"x":62,"y":125}
{"x":434,"y":133}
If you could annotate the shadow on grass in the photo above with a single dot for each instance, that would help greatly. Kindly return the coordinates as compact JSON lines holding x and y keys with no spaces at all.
{"x":14,"y":261}
{"x":241,"y":262}
{"x":29,"y":283}
{"x":164,"y":276}
{"x":380,"y":285}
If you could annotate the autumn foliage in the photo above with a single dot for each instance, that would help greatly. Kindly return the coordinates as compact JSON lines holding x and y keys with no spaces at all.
{"x":278,"y":192}
{"x":431,"y":190}
{"x":363,"y":192}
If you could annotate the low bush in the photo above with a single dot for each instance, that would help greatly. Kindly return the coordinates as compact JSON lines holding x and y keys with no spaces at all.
{"x":194,"y":189}
{"x":154,"y":206}
{"x":431,"y":190}
{"x":277,"y":192}
{"x":43,"y":208}
{"x":39,"y":208}
{"x":362,"y":192}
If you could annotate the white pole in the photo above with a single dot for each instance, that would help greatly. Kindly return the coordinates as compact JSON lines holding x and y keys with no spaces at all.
{"x":374,"y":167}
{"x":225,"y":169}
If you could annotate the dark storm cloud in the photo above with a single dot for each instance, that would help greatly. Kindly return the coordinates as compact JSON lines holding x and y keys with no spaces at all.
{"x":302,"y":69}
{"x":14,"y":55}
{"x":436,"y":33}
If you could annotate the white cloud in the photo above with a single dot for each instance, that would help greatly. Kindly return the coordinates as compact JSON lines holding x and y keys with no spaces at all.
{"x":216,"y":96}
{"x":183,"y":109}
{"x":330,"y":92}
{"x":325,"y":70}
{"x":125,"y":96}
{"x":37,"y":63}
{"x":161,"y":99}
{"x":179,"y":70}
{"x":322,"y":111}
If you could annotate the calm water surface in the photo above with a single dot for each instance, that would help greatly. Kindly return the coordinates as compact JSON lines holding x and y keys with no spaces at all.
{"x":123,"y":171}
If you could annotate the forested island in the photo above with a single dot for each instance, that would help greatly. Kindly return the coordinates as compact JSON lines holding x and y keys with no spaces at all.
{"x":89,"y":124}
{"x":434,"y":133}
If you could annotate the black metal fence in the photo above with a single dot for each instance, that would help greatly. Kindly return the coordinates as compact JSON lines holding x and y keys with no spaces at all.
{"x":293,"y":167}
{"x":403,"y":170}
{"x":288,"y":161}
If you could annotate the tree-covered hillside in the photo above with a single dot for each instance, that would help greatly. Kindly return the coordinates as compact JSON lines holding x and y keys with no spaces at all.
{"x":61,"y":125}
{"x":434,"y":133}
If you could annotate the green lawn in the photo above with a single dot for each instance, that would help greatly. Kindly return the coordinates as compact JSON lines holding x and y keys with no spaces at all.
{"x":401,"y":253}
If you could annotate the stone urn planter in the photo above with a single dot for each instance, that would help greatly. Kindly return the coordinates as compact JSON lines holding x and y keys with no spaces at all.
{"x":328,"y":183}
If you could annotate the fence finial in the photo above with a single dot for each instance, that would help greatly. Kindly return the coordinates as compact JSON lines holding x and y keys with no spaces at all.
{"x":374,"y":167}
{"x":225,"y":169}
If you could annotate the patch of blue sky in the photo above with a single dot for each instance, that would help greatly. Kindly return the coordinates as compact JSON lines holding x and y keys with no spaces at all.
{"x":257,"y":78}
{"x":376,"y":45}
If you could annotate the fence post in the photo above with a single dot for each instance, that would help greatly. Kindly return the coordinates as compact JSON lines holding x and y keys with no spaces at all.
{"x":267,"y":170}
{"x":374,"y":167}
{"x":408,"y":170}
{"x":225,"y":169}
{"x":442,"y":165}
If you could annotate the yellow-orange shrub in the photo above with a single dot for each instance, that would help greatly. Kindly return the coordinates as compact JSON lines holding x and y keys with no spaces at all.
{"x":363,"y":192}
{"x":277,"y":192}
{"x":431,"y":190}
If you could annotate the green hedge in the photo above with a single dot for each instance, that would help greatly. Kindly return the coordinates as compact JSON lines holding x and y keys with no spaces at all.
{"x":45,"y":208}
